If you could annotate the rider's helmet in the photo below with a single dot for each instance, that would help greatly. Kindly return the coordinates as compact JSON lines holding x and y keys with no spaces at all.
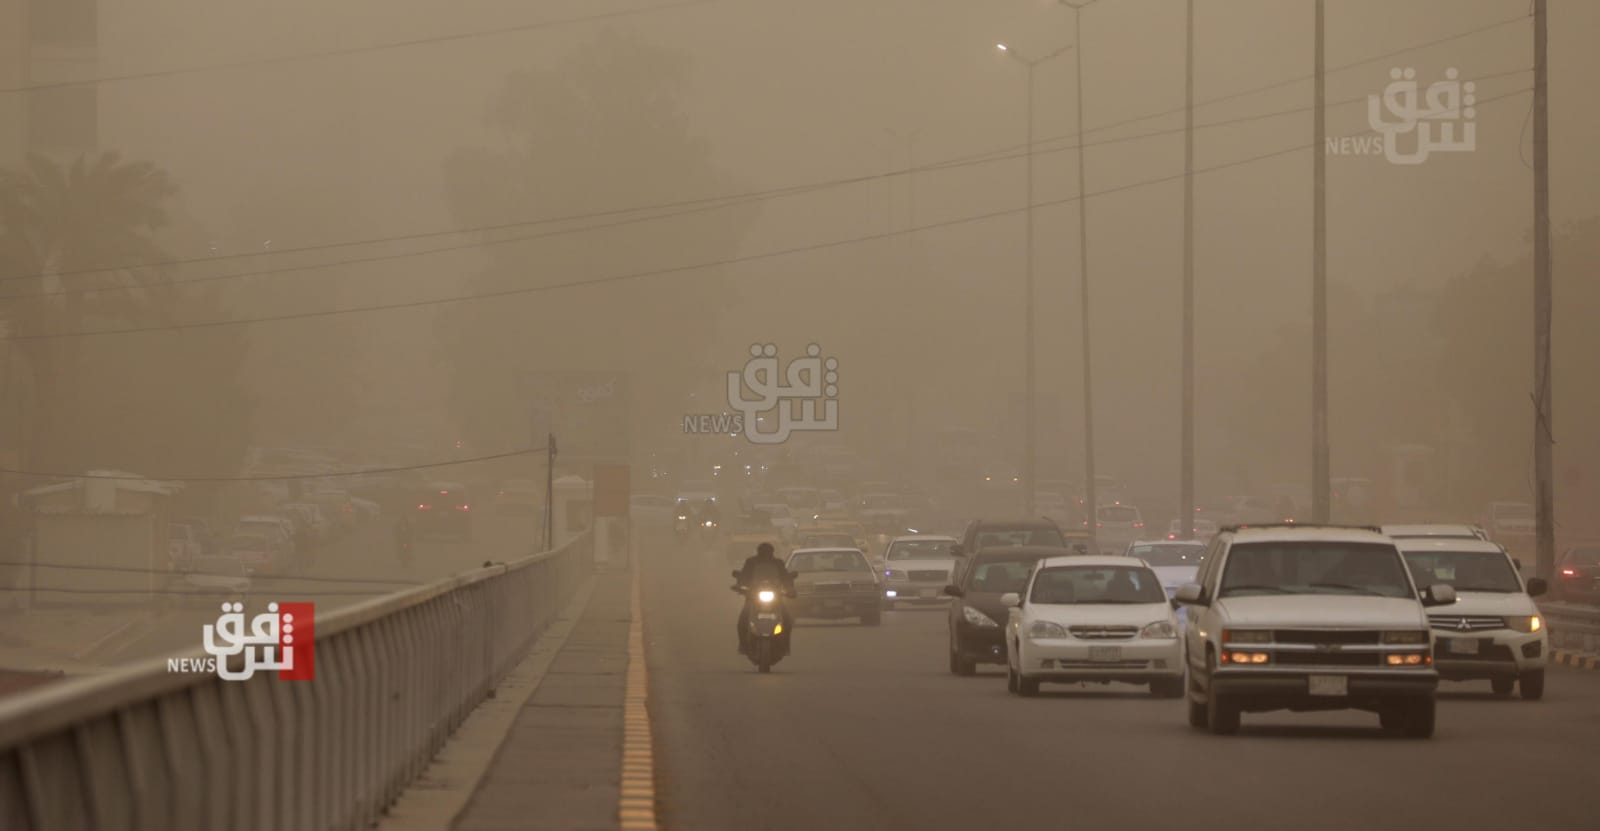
{"x":764,"y":550}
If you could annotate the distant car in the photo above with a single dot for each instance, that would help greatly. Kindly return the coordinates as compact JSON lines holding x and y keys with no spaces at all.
{"x":281,"y":530}
{"x":783,"y":520}
{"x":261,"y":552}
{"x":1098,"y":619}
{"x":1436,"y":531}
{"x":1082,"y":542}
{"x":1578,"y":574}
{"x":917,"y":569}
{"x":986,"y":533}
{"x":1175,"y":562}
{"x":215,"y":580}
{"x":336,"y":508}
{"x":835,"y":583}
{"x":1204,"y":529}
{"x":1493,"y":631}
{"x":183,"y":546}
{"x":976,"y":615}
{"x":519,"y":498}
{"x":1118,"y":525}
{"x":1510,"y":519}
{"x":443,"y":509}
{"x":312,"y":518}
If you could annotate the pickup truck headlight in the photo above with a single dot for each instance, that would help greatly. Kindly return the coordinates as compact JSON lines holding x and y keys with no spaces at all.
{"x":1161,"y":629}
{"x":1046,"y":629}
{"x":977,"y":618}
{"x":896,"y":576}
{"x":1411,"y":636}
{"x":1524,"y":623}
{"x":1247,"y":636}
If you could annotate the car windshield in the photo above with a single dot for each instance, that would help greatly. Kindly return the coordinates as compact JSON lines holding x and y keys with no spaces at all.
{"x":1314,"y":567}
{"x":826,"y":540}
{"x":1119,"y":513}
{"x":1584,"y":557}
{"x":1512,"y":511}
{"x":1038,"y":535}
{"x":1082,"y":585}
{"x":223,"y":566}
{"x":1174,"y":554}
{"x":1000,"y":576}
{"x":807,"y":561}
{"x":1467,"y":571}
{"x":920,"y":550}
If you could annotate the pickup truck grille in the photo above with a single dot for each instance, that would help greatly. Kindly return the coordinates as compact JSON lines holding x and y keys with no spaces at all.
{"x":1473,"y":623}
{"x":1317,"y":637}
{"x":930,"y":576}
{"x":1103,"y":633}
{"x":1328,"y":659}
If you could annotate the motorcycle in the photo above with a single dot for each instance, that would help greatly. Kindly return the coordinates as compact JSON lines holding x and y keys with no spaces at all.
{"x":766,"y":643}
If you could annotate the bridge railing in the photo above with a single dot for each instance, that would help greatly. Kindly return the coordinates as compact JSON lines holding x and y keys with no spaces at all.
{"x":144,"y":748}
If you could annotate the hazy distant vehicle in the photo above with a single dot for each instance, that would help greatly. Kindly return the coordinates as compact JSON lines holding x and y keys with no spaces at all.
{"x":781,"y":517}
{"x":1578,"y":574}
{"x":975,"y":633}
{"x":337,"y":508}
{"x":1493,"y":631}
{"x":1054,"y":506}
{"x":1175,"y":562}
{"x":1510,"y":519}
{"x":215,"y":580}
{"x":805,"y":502}
{"x":1118,"y":525}
{"x":916,"y":569}
{"x":833,"y":500}
{"x":834,"y":583}
{"x":183,"y":546}
{"x":443,"y":509}
{"x":1204,"y":529}
{"x":824,"y":539}
{"x":280,"y":530}
{"x":262,"y":552}
{"x":984,"y":533}
{"x":1094,"y":619}
{"x":315,"y":522}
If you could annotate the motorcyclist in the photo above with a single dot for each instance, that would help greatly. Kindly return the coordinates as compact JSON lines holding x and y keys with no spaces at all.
{"x":708,"y":511}
{"x":764,"y":569}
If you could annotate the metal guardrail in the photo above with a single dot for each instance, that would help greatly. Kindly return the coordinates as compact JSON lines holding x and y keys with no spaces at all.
{"x":1573,"y":627}
{"x":143,"y":748}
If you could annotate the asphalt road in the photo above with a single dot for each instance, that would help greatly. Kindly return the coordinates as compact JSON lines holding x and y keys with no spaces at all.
{"x":863,"y":728}
{"x":346,"y":571}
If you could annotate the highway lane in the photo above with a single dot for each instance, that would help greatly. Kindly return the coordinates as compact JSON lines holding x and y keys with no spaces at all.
{"x":862,"y":728}
{"x":346,"y":571}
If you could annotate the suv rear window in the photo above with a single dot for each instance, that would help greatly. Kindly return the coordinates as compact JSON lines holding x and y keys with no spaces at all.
{"x":1037,"y":535}
{"x":1119,"y":513}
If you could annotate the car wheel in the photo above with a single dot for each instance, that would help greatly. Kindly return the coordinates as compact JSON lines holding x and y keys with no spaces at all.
{"x":1222,"y":714}
{"x":1197,"y":715}
{"x":1011,"y":681}
{"x":1502,"y":686}
{"x":1532,"y":684}
{"x":1419,"y":718}
{"x":1027,"y":687}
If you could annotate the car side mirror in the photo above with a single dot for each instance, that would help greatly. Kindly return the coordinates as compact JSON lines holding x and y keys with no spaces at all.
{"x":953,"y":591}
{"x":1517,"y":561}
{"x":1011,"y":600}
{"x":1175,"y":604}
{"x":1190,"y":594}
{"x":1439,"y":594}
{"x":1537,"y":586}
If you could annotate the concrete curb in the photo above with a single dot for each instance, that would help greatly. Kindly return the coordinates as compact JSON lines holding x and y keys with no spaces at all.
{"x":1575,"y":660}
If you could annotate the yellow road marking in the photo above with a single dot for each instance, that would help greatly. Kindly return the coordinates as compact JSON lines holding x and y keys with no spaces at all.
{"x":636,"y":800}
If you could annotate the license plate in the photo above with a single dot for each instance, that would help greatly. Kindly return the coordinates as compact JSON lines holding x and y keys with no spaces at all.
{"x":1464,"y":646}
{"x":1105,"y":654}
{"x":1329,"y":685}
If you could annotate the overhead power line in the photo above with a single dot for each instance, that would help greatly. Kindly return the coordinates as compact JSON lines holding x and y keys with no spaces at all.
{"x":998,"y":154}
{"x":638,"y":275}
{"x":357,"y":50}
{"x":706,"y":205}
{"x":282,"y":478}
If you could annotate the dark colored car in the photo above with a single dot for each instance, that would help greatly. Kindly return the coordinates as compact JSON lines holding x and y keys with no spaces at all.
{"x":988,"y":533}
{"x":977,"y":621}
{"x":1578,"y":574}
{"x":835,"y":583}
{"x":443,"y":509}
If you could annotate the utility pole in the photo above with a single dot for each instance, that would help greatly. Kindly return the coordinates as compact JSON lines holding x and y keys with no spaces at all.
{"x":1543,"y":435}
{"x":1320,"y":496}
{"x":1186,"y":460}
{"x":1090,"y":510}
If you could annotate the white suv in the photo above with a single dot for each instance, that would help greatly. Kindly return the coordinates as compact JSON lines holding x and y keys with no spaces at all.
{"x":1306,"y":617}
{"x":1494,"y":630}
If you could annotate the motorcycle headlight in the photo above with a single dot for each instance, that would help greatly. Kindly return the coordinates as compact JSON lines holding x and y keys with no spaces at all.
{"x":766,"y":595}
{"x":1412,"y":636}
{"x":1525,"y":623}
{"x":1160,"y":629}
{"x":977,"y":618}
{"x":1046,"y":629}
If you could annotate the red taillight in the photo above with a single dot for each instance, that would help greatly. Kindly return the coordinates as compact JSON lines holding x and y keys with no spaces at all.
{"x":1099,"y":525}
{"x":1138,"y":525}
{"x":1172,"y":536}
{"x":422,"y":507}
{"x":444,"y":493}
{"x":1567,"y":572}
{"x":464,"y":508}
{"x":1086,"y":523}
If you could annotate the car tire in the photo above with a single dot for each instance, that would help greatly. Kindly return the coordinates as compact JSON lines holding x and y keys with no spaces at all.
{"x":1222,"y":714}
{"x":1532,"y":685}
{"x":961,"y":666}
{"x":1011,"y":681}
{"x":1197,"y":715}
{"x":1502,"y":686}
{"x":1027,"y":687}
{"x":1167,"y":687}
{"x":1419,"y":718}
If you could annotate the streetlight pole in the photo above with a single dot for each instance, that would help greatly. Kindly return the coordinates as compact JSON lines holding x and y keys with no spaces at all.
{"x":1091,"y":513}
{"x":1321,"y":496}
{"x":1543,"y":438}
{"x":1030,"y":392}
{"x":1186,"y":460}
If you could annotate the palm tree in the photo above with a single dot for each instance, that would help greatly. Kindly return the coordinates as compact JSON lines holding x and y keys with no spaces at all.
{"x":66,"y":231}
